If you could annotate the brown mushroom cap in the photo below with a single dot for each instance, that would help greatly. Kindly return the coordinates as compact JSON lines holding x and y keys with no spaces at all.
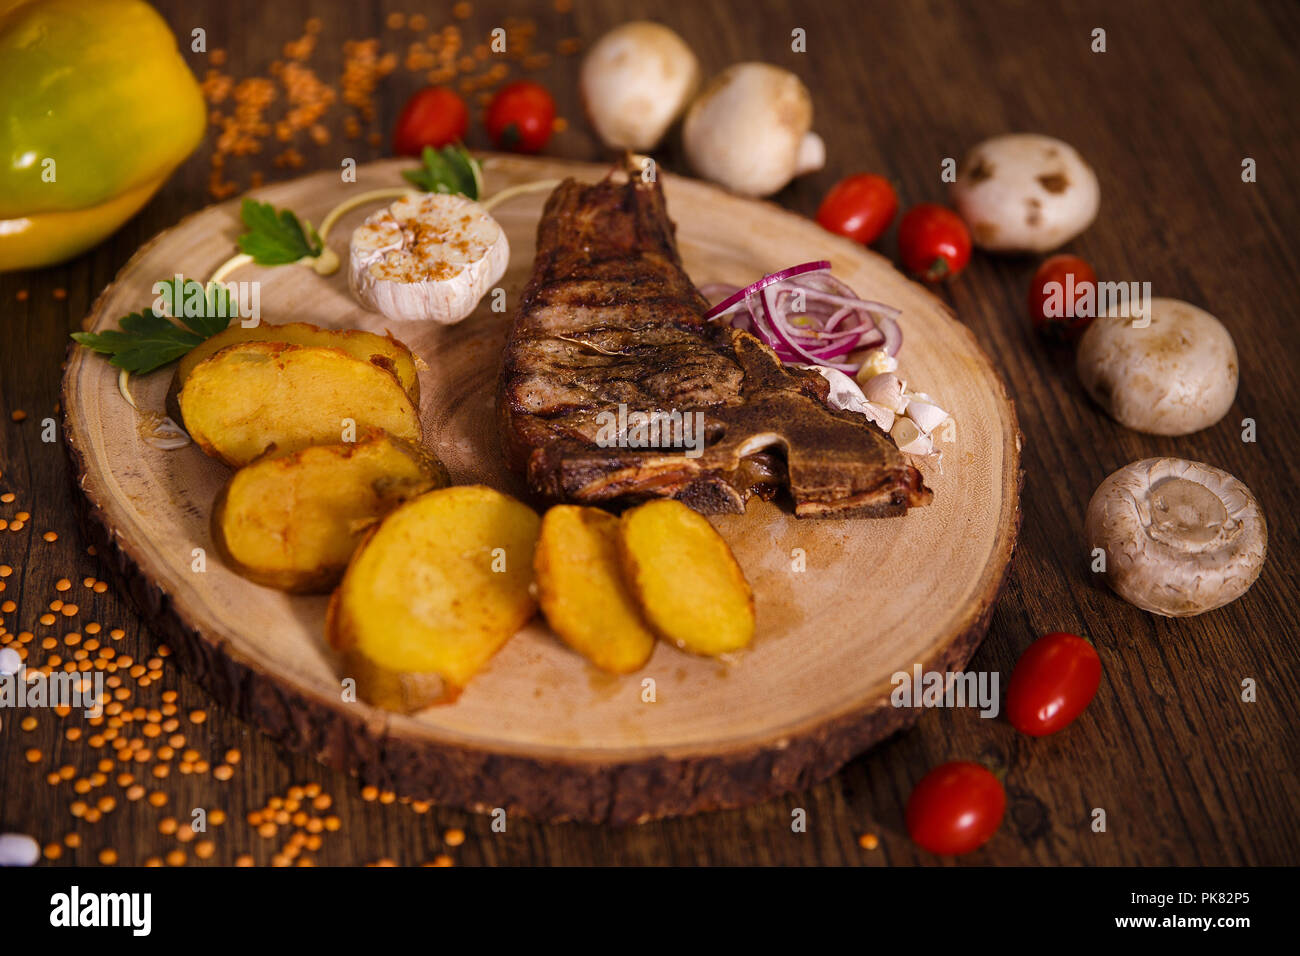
{"x":1180,"y":537}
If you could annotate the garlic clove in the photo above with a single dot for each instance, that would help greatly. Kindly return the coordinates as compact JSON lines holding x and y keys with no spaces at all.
{"x":886,"y":390}
{"x":882,"y":416}
{"x":847,"y":394}
{"x":910,"y":439}
{"x":876,"y":362}
{"x":927,"y":415}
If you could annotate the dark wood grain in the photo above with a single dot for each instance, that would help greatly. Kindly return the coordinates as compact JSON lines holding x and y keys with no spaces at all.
{"x":1187,"y":772}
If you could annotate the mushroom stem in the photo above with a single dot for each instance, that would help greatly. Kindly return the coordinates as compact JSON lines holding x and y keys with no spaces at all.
{"x":811,"y":156}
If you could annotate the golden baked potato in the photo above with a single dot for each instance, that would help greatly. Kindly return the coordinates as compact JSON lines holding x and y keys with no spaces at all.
{"x":250,"y":397}
{"x":432,"y":593}
{"x":383,"y":350}
{"x":581,"y":589}
{"x":291,"y":520}
{"x":690,"y":588}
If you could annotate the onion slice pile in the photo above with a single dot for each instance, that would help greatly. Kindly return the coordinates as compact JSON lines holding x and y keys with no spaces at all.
{"x":806,"y":315}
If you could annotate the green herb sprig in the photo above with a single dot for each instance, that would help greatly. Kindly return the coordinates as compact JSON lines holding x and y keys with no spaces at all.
{"x":148,"y":339}
{"x":276,"y":238}
{"x":448,"y":170}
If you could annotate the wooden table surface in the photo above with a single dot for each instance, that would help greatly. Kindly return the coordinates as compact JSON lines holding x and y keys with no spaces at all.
{"x":1186,"y":771}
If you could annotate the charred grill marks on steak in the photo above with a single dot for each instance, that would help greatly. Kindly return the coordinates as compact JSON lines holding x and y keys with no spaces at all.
{"x":610,"y":317}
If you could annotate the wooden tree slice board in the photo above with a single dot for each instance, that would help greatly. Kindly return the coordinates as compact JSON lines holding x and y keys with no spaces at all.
{"x":540,"y":731}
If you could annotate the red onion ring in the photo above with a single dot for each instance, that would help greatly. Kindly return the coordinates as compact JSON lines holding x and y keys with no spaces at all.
{"x":836,"y":322}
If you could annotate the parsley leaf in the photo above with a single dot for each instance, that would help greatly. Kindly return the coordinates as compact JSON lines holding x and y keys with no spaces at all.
{"x":447,"y":170}
{"x":205,"y":311}
{"x":148,"y":340}
{"x":276,"y":239}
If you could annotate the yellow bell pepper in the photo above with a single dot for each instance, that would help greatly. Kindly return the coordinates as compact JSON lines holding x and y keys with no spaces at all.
{"x":97,"y":108}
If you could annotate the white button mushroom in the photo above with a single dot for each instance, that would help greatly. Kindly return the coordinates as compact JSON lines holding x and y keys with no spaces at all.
{"x":749,"y":130}
{"x":1025,"y":193}
{"x":429,"y":257}
{"x":1173,"y":377}
{"x":635,"y":81}
{"x":1180,"y":537}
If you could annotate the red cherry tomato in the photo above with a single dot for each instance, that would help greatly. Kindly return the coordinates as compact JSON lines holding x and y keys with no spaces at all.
{"x":955,"y":808}
{"x":1063,"y":298}
{"x":434,"y":116}
{"x":520,"y":117}
{"x":1055,"y":679}
{"x":933,"y":242}
{"x":860,"y":207}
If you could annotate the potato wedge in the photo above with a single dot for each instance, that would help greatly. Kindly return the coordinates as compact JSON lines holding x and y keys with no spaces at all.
{"x":383,"y":350}
{"x":690,"y":588}
{"x":292,"y":520}
{"x":255,"y":395}
{"x":432,"y":593}
{"x":581,"y":589}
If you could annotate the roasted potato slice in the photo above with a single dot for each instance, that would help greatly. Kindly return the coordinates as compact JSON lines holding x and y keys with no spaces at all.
{"x":383,"y":350}
{"x":255,"y":395}
{"x":690,"y":588}
{"x":581,"y":589}
{"x":292,"y":520}
{"x":432,"y":593}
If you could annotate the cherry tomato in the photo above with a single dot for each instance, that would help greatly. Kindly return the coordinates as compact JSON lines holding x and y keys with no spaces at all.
{"x":1055,"y":679}
{"x":1063,"y":298}
{"x":520,"y":117}
{"x":955,"y":808}
{"x":860,"y":207}
{"x":933,"y":242}
{"x":434,"y":116}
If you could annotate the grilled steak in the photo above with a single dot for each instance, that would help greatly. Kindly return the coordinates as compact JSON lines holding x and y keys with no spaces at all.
{"x":611,"y":332}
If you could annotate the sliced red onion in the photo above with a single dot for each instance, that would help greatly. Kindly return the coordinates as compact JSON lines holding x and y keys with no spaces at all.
{"x":780,"y":323}
{"x":835,"y":321}
{"x":733,"y":301}
{"x":893,"y":337}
